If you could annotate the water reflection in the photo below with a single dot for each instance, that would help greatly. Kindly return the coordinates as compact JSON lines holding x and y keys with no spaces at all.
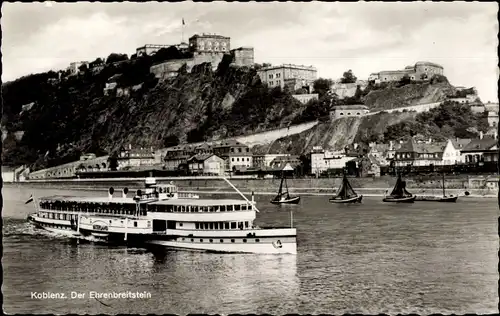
{"x":227,"y":283}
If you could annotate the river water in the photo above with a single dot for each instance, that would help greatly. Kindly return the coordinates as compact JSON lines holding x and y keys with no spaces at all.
{"x":371,"y":258}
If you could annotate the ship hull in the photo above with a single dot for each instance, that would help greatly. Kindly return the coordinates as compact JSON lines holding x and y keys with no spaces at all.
{"x":432,"y":198}
{"x":356,"y":199}
{"x":251,"y":248}
{"x":410,"y":199}
{"x":294,"y":200}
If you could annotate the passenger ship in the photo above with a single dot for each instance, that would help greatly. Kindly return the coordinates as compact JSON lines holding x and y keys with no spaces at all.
{"x":161,"y":216}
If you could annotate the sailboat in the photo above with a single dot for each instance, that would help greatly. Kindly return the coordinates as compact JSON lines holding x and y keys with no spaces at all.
{"x":346,"y":193}
{"x":399,"y":193}
{"x":283,"y":196}
{"x":434,"y":198}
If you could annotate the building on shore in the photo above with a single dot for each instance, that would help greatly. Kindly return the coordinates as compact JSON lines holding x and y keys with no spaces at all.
{"x":322,"y":160}
{"x":70,"y":170}
{"x":206,"y":164}
{"x":484,"y":149}
{"x":135,"y":157}
{"x":263,"y":161}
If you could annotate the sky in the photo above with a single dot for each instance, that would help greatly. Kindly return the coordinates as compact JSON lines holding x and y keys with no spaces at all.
{"x":333,"y":37}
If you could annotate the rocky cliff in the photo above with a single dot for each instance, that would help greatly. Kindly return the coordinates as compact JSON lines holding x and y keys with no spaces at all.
{"x":336,"y":135}
{"x":395,"y":95}
{"x":69,"y":116}
{"x":74,"y":116}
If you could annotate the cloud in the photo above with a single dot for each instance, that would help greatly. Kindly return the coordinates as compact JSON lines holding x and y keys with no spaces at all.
{"x":364,"y":37}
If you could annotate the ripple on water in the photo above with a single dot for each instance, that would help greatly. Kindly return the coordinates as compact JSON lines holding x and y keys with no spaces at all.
{"x":369,"y":259}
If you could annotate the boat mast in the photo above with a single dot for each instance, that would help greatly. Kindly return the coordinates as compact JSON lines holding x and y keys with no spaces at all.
{"x":239,"y":192}
{"x":443,"y":186}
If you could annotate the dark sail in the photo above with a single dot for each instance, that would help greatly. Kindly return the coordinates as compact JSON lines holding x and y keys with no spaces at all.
{"x":345,"y":191}
{"x":400,"y":189}
{"x":281,"y":192}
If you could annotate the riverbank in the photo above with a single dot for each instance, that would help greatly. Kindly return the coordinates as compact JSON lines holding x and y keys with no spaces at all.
{"x":301,"y":187}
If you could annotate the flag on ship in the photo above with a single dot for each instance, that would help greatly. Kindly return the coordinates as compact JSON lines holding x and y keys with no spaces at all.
{"x":30,"y":199}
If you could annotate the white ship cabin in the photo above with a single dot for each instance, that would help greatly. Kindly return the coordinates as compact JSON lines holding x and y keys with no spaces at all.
{"x":68,"y":208}
{"x":202,"y":214}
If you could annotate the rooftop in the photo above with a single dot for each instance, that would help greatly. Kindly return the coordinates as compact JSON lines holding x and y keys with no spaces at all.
{"x":412,"y":146}
{"x":487,"y":143}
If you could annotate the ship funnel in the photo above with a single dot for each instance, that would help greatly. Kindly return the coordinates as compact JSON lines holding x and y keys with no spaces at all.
{"x":124,"y":192}
{"x":110,"y":192}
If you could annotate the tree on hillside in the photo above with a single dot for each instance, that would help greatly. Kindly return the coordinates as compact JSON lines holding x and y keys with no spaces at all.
{"x":321,"y":86}
{"x":83,"y":67}
{"x":170,"y":141}
{"x":405,"y":80}
{"x":114,"y":57}
{"x":348,"y":77}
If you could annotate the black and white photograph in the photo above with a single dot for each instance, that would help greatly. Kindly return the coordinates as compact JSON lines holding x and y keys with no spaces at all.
{"x":270,"y":158}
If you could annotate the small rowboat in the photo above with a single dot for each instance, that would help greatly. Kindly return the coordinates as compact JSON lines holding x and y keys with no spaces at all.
{"x":433,"y":198}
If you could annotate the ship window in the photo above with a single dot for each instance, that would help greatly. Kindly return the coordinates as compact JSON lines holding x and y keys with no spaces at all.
{"x":211,"y":240}
{"x":180,"y":224}
{"x":201,"y":240}
{"x":229,"y":207}
{"x":226,"y":225}
{"x":232,"y":240}
{"x":211,"y":225}
{"x":197,"y":225}
{"x":216,"y":225}
{"x":206,"y":225}
{"x":257,"y":240}
{"x":233,"y":225}
{"x":246,"y":224}
{"x":237,"y":207}
{"x":192,"y":239}
{"x":244,"y":240}
{"x":222,"y":208}
{"x":135,"y":224}
{"x":222,"y":240}
{"x":110,"y":221}
{"x":183,"y":238}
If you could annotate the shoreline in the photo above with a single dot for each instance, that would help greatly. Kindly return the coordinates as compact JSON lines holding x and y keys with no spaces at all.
{"x":368,"y":192}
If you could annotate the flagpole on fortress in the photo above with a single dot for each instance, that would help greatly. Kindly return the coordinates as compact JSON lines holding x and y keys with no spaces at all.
{"x":182,"y":35}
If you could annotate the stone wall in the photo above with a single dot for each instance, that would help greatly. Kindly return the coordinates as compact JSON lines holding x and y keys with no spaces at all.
{"x":243,"y":56}
{"x":268,"y":137}
{"x":304,"y":98}
{"x":69,"y":170}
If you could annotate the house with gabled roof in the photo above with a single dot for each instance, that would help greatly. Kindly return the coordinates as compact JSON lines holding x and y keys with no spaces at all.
{"x":206,"y":164}
{"x":420,"y":154}
{"x":484,"y":149}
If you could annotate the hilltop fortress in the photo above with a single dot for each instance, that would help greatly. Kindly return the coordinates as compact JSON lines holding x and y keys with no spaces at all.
{"x":206,"y":48}
{"x":422,"y":70}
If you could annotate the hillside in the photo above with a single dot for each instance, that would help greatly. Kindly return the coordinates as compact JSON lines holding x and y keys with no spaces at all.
{"x":396,"y":95}
{"x":74,"y":116}
{"x":71,"y":115}
{"x":336,"y":135}
{"x":449,"y":120}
